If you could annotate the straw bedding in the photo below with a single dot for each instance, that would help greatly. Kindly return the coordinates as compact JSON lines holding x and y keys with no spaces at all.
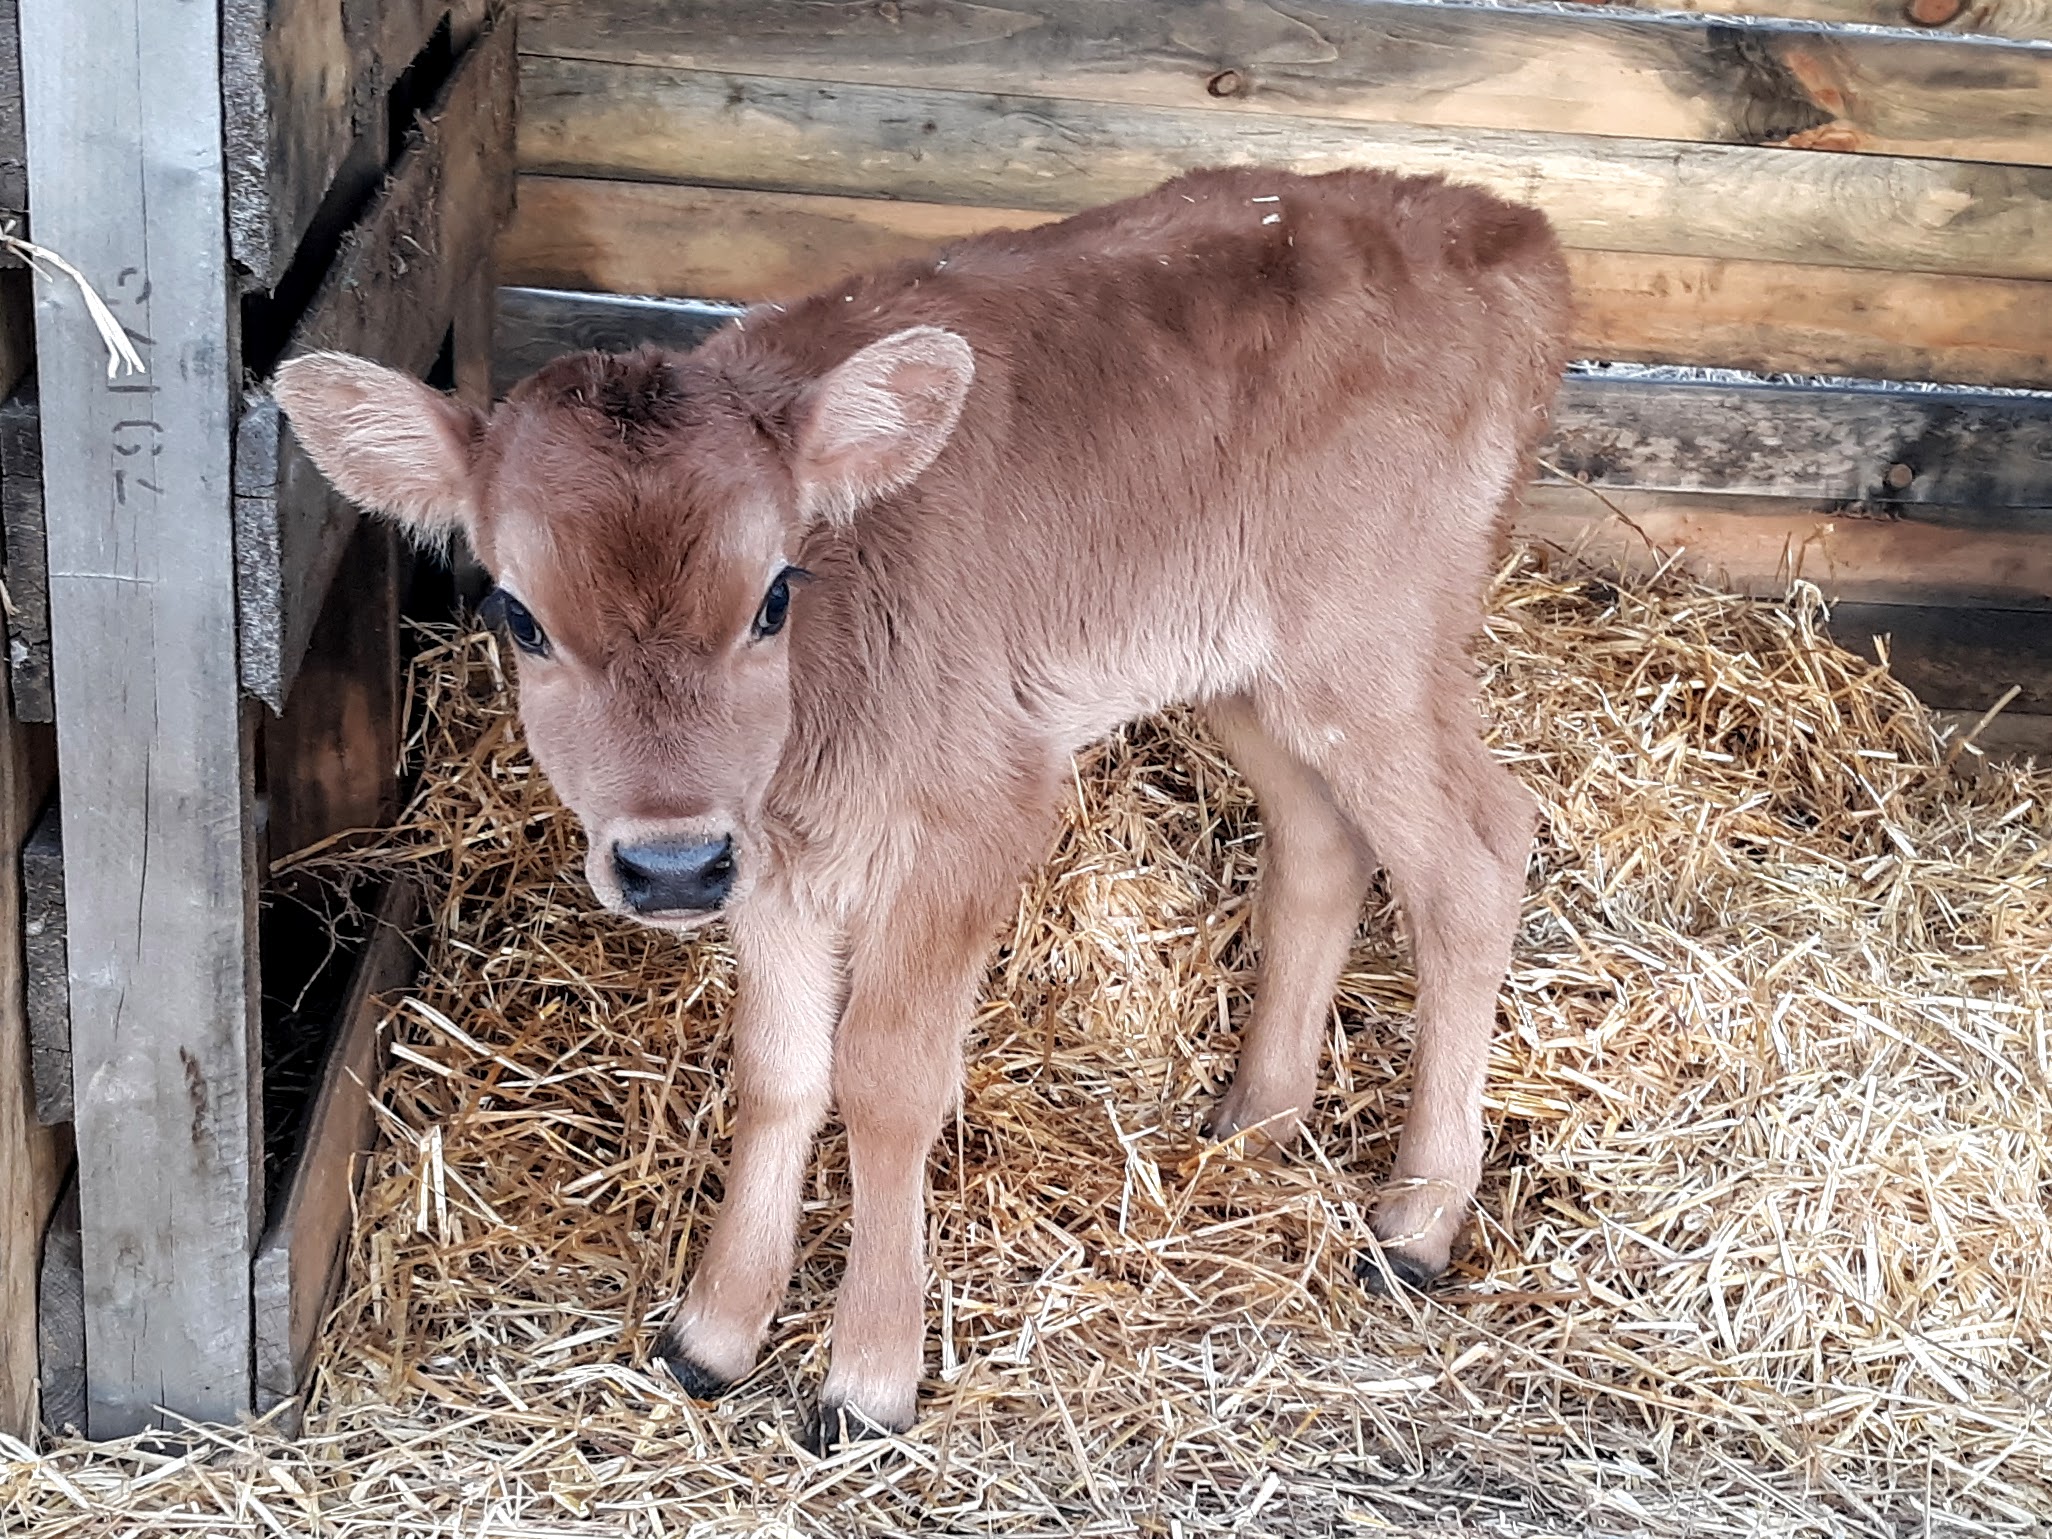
{"x":1763,"y":1247}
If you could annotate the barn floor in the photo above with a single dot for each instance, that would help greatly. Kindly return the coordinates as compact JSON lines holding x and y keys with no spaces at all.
{"x":1764,"y":1247}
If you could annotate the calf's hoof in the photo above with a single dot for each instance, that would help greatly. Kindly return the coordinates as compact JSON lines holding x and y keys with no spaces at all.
{"x":692,"y":1376}
{"x":1408,"y":1271}
{"x":836,"y":1424}
{"x":1268,"y":1130}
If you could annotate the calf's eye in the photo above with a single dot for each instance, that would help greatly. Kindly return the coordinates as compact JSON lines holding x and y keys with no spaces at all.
{"x":776,"y":604}
{"x":502,"y":608}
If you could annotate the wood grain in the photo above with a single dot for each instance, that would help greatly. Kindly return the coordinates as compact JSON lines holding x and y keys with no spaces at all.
{"x":13,"y":146}
{"x":306,"y":83}
{"x":46,"y":969}
{"x":391,"y":294}
{"x":60,"y":1318}
{"x":1593,"y":70}
{"x":17,"y":326}
{"x":1759,"y":545}
{"x":648,"y":238}
{"x":27,"y":571}
{"x":31,"y":1155}
{"x":332,"y":757}
{"x":2029,"y":20}
{"x":1888,"y":449}
{"x":128,"y":181}
{"x":1957,"y":659}
{"x":298,"y":1261}
{"x":1013,"y":150}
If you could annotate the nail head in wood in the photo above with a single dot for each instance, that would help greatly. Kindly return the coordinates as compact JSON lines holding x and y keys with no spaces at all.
{"x":1900,"y":476}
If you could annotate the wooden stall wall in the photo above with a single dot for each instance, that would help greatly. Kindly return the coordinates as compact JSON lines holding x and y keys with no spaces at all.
{"x":34,"y":1155}
{"x":216,"y":636}
{"x":1785,"y":198}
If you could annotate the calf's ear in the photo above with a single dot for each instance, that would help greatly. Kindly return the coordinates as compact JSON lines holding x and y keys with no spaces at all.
{"x":873,"y":424}
{"x":386,"y":441}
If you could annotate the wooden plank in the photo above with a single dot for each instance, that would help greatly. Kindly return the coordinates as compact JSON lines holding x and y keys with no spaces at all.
{"x":27,"y":570}
{"x":332,"y":757}
{"x":128,"y":180}
{"x":1588,"y":70}
{"x":2029,"y":20}
{"x":1785,"y":318}
{"x":46,"y":976}
{"x":1018,"y":151}
{"x":646,"y":238}
{"x":301,"y":1254}
{"x":31,"y":1155}
{"x":1940,"y":557}
{"x":306,"y":83}
{"x":536,"y":325}
{"x":17,"y":327}
{"x":1957,"y":659}
{"x":60,"y":1317}
{"x":391,"y":295}
{"x":1850,"y":443}
{"x":13,"y":145}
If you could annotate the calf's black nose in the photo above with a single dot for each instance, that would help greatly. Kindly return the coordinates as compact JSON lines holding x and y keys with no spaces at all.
{"x":667,"y":875}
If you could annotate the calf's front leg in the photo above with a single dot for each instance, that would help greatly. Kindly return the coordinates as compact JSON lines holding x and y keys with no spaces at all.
{"x":788,"y":999}
{"x":913,"y":974}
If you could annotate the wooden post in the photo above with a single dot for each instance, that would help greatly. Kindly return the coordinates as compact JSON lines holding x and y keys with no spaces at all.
{"x":124,"y":130}
{"x":31,"y":1156}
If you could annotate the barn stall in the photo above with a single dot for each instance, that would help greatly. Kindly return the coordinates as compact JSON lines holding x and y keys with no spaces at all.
{"x":1763,"y":1246}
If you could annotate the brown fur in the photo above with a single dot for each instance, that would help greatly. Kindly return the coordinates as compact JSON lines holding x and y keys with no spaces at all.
{"x":1247,"y":441}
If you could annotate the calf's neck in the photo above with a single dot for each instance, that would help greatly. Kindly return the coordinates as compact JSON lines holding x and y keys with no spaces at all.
{"x":812,"y":617}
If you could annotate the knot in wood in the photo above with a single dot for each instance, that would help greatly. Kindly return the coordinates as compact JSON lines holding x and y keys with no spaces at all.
{"x":1933,"y":13}
{"x":1227,"y":82}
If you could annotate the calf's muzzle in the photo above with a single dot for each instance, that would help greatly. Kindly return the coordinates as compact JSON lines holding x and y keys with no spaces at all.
{"x":671,"y":876}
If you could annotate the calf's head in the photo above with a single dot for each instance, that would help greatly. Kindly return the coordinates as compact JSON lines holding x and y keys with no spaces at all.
{"x":645,"y":517}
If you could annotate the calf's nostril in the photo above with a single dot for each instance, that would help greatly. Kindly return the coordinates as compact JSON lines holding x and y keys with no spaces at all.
{"x":666,"y":875}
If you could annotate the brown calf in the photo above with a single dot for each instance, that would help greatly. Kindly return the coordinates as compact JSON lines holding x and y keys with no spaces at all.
{"x":812,"y":618}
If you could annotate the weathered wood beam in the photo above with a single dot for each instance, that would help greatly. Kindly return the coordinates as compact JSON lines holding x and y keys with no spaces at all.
{"x":1769,"y":317}
{"x":1888,"y":448}
{"x":13,"y":144}
{"x":60,"y":1317}
{"x":1592,"y":70}
{"x":32,"y":1155}
{"x":1958,"y":659}
{"x":1892,"y":449}
{"x":392,"y":294}
{"x":46,"y":969}
{"x":128,"y":180}
{"x":333,"y":756}
{"x":28,"y":575}
{"x":300,"y":1257}
{"x":1938,"y":557}
{"x":306,"y":84}
{"x":2029,"y":20}
{"x":1008,"y":149}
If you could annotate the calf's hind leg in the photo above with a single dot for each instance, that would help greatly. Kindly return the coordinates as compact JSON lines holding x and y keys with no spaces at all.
{"x":1453,"y":828}
{"x":1314,"y":873}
